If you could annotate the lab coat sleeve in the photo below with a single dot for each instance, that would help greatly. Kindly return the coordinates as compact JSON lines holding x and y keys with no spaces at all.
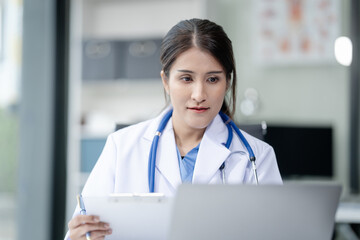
{"x":267,"y":167}
{"x":102,"y":177}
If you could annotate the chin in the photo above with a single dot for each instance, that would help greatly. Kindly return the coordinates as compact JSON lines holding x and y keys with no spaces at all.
{"x":198,"y":124}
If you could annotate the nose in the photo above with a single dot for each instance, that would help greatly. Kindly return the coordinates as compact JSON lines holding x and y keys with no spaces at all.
{"x":199,"y":92}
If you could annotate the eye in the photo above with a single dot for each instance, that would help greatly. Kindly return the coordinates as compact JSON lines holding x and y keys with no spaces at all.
{"x":213,"y":79}
{"x":185,"y":78}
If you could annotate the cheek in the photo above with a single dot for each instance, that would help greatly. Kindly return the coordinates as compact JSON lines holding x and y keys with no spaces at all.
{"x":177,"y":92}
{"x":220,"y":93}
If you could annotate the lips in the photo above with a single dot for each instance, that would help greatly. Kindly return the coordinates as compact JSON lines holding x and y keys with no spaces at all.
{"x":198,"y":109}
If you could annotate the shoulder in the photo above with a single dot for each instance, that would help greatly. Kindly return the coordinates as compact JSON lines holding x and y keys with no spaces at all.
{"x":142,"y":130}
{"x":266,"y":162}
{"x":131,"y":133}
{"x":146,"y":128}
{"x":138,"y":127}
{"x":257,"y":144}
{"x":261,"y":149}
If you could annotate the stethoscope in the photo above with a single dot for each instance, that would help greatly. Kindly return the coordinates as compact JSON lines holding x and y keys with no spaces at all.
{"x":229,"y":124}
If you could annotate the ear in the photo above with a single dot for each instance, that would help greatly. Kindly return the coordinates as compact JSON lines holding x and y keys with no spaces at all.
{"x":228,"y":85}
{"x":165,"y":81}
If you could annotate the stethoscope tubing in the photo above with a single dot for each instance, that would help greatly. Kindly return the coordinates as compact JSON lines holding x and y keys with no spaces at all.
{"x":153,"y":150}
{"x":231,"y":125}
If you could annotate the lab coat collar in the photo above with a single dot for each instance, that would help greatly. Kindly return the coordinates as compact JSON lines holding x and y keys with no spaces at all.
{"x":212,"y":152}
{"x":151,"y":130}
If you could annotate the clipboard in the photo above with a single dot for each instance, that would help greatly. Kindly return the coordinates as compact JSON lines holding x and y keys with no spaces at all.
{"x":133,"y":216}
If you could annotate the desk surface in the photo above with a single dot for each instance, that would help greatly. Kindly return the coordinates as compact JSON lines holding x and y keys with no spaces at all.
{"x":348,"y":212}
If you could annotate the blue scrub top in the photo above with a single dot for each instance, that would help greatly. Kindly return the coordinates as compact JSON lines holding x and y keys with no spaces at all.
{"x":187,"y":164}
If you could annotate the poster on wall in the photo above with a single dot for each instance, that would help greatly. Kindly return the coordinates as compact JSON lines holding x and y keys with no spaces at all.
{"x":295,"y":31}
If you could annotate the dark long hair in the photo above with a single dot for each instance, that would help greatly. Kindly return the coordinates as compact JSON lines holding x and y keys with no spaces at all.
{"x":207,"y":36}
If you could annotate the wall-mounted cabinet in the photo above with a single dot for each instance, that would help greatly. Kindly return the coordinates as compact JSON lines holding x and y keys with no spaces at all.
{"x":121,"y":59}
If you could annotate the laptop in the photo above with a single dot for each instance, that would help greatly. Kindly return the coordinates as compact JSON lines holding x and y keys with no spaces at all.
{"x":291,"y":211}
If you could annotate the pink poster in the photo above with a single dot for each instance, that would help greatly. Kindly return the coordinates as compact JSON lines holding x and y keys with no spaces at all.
{"x":295,"y":31}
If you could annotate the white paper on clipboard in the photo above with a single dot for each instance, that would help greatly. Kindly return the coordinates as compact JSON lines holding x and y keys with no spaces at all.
{"x":133,"y":216}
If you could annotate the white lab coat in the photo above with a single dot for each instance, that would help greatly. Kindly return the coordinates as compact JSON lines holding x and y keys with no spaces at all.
{"x":123,"y":163}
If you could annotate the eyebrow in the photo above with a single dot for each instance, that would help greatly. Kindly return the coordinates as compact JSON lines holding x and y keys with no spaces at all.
{"x":188,"y":71}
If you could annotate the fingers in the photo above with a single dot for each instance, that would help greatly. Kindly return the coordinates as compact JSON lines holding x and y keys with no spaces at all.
{"x":97,"y":231}
{"x":83,"y":219}
{"x":82,"y":224}
{"x":101,"y":226}
{"x":97,"y":235}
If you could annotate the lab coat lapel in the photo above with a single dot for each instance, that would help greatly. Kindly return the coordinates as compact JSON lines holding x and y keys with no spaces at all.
{"x":167,"y":159}
{"x":212,"y":152}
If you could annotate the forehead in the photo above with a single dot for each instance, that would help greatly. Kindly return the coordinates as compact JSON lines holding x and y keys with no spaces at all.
{"x":196,"y":60}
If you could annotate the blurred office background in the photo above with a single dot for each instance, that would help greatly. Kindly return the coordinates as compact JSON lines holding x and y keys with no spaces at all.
{"x":71,"y":70}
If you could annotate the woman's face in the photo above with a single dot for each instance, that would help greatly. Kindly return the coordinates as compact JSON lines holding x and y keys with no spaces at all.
{"x":197,"y":86}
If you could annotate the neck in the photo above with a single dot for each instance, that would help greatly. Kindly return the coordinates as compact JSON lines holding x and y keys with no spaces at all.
{"x":186,"y":138}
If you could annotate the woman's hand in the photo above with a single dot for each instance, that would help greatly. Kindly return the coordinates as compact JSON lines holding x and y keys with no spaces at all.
{"x":81,"y":224}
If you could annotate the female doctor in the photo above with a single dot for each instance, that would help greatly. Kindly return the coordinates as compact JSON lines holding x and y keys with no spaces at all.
{"x":198,"y":70}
